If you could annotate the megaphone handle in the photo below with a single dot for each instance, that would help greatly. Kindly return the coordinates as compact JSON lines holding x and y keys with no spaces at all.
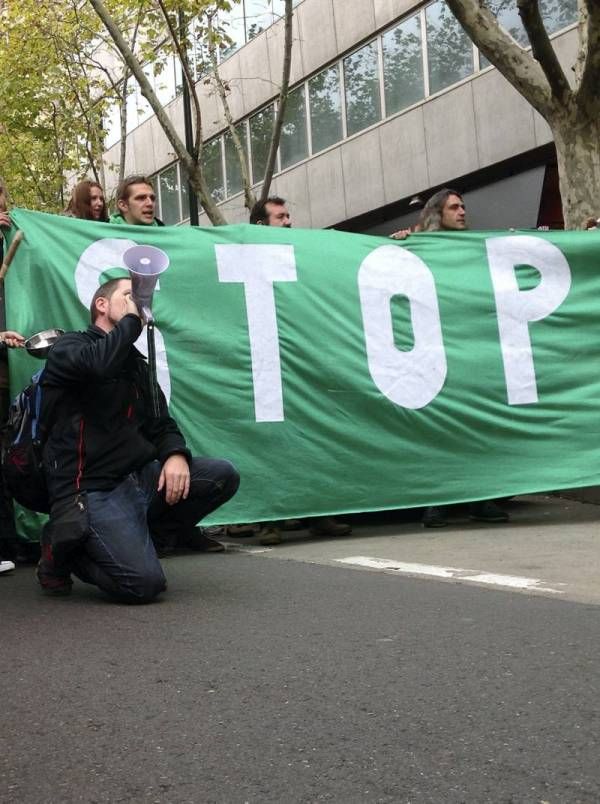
{"x":152,"y":378}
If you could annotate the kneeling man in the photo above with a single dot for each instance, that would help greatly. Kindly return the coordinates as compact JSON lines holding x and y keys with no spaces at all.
{"x":117,"y":474}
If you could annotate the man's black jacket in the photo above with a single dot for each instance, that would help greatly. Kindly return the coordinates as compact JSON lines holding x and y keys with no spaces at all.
{"x":98,"y":409}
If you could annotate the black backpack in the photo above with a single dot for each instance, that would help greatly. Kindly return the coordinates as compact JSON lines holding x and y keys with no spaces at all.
{"x":22,"y":445}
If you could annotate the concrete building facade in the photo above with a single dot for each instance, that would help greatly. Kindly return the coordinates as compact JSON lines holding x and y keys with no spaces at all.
{"x":390,"y":100}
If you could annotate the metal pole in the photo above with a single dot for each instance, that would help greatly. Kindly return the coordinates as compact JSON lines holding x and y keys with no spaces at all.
{"x":189,"y":133}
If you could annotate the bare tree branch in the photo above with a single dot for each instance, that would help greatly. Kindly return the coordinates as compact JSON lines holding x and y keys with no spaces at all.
{"x":542,"y":49}
{"x":283,"y":93}
{"x":514,"y":62}
{"x":249,"y":197}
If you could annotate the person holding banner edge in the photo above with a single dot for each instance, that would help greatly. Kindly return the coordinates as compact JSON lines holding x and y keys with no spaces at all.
{"x":445,"y":212}
{"x":8,"y":534}
{"x":116,"y":474}
{"x":8,"y":340}
{"x":274,"y":212}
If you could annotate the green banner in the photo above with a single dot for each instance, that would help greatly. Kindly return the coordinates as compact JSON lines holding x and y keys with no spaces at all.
{"x":342,"y":372}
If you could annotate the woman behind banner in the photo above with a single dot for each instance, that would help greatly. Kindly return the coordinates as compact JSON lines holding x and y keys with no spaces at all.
{"x":87,"y":202}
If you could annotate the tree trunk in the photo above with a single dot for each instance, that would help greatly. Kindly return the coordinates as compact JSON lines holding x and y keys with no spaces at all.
{"x":577,"y":140}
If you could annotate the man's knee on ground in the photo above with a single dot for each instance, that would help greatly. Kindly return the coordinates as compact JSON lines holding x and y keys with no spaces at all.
{"x":143,"y":589}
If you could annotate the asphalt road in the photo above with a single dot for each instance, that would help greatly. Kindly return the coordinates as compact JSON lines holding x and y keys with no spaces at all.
{"x":260,"y":680}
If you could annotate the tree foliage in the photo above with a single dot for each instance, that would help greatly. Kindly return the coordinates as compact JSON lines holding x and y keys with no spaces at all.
{"x":52,"y":101}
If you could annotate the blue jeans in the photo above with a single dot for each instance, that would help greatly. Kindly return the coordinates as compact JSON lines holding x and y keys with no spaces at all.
{"x":118,"y":555}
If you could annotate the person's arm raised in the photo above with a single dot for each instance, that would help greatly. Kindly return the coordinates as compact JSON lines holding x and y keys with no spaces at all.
{"x":76,"y":359}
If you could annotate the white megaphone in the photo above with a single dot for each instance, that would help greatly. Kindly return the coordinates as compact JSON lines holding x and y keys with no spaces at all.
{"x":145,"y":264}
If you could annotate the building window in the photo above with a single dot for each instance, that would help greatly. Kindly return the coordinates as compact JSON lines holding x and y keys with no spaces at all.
{"x":233,"y":170}
{"x":233,"y":26}
{"x":403,"y":65}
{"x":261,"y":130}
{"x":259,"y":16}
{"x":212,"y":165}
{"x":185,"y":197}
{"x":172,"y":199}
{"x":168,"y":181}
{"x":558,"y":14}
{"x":164,"y":81}
{"x":247,"y":19}
{"x":361,"y":79}
{"x":450,"y":52}
{"x":294,"y":142}
{"x":325,"y":99}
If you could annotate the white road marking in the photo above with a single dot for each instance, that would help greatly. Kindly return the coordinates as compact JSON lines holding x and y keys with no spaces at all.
{"x":235,"y":547}
{"x":456,"y":573}
{"x":400,"y":566}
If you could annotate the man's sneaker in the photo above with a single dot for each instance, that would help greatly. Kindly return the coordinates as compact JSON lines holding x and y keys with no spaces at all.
{"x":6,"y":566}
{"x":329,"y":526}
{"x":434,"y":517}
{"x":270,"y":536}
{"x":291,"y":524}
{"x":198,"y":539}
{"x":165,"y":544}
{"x":53,"y":580}
{"x":241,"y":531}
{"x":27,"y":552}
{"x":487,"y":511}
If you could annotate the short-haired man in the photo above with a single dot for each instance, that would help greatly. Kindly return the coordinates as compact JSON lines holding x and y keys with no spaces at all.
{"x":274,"y":212}
{"x":271,"y":212}
{"x":445,"y":212}
{"x":116,"y":471}
{"x":136,"y":202}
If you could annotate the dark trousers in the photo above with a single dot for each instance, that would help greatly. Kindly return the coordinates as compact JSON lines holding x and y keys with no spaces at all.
{"x":8,"y":535}
{"x":118,"y":554}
